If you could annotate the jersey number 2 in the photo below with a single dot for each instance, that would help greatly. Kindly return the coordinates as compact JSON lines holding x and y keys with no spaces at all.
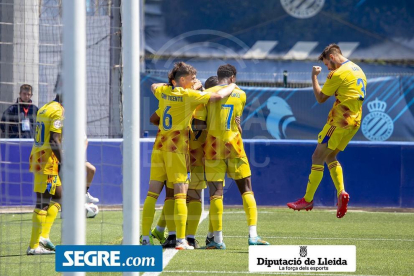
{"x":361,"y":81}
{"x":166,"y":119}
{"x":228,"y":107}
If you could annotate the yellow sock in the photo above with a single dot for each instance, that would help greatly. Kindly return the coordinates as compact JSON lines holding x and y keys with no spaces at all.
{"x":161,"y":221}
{"x":38,"y":220}
{"x":180,"y":215}
{"x":194,"y":215}
{"x":169,"y":213}
{"x":250,"y":208}
{"x":52,"y":212}
{"x":337,"y":176}
{"x":210,"y":226}
{"x":187,"y":202}
{"x":216,"y":212}
{"x":148,"y":213}
{"x":315,"y":178}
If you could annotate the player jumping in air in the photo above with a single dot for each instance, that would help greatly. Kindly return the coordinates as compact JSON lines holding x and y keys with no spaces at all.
{"x":348,"y":83}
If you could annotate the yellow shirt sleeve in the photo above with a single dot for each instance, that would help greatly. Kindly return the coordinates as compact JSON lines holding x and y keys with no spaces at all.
{"x":56,"y":121}
{"x":201,"y":113}
{"x":332,"y":84}
{"x":197,"y":97}
{"x":243,"y":99}
{"x":158,"y":112}
{"x":158,"y":91}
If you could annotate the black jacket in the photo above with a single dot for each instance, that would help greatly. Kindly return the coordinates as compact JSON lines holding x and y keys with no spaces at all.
{"x":14,"y":116}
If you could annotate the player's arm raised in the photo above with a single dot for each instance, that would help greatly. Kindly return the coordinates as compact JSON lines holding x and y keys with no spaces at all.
{"x":154,"y":86}
{"x":320,"y":97}
{"x":223,"y":93}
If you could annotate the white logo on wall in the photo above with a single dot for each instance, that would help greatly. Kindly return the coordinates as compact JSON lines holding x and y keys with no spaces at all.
{"x":279,"y":118}
{"x":377,"y":125}
{"x":302,"y":9}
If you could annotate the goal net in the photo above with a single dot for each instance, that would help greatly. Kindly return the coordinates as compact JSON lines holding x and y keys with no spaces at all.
{"x":31,"y":53}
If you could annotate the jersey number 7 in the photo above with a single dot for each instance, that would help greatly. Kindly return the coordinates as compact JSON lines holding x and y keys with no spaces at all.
{"x":230,"y":108}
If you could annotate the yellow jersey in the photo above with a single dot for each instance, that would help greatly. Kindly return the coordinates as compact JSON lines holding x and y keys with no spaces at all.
{"x":223,"y":139}
{"x":197,"y":140}
{"x":348,"y":83}
{"x":49,"y":119}
{"x":176,"y":106}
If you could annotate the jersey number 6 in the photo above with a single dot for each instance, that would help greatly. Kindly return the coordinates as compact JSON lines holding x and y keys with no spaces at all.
{"x":166,"y":119}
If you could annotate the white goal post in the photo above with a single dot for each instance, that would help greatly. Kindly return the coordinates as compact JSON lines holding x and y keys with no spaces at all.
{"x":131,"y":124}
{"x":74,"y":99}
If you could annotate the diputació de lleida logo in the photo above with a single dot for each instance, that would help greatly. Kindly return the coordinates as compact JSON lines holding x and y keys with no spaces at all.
{"x":377,"y":125}
{"x":303,"y":251}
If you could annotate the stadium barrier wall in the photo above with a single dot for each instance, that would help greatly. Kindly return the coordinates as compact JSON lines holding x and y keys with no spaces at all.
{"x":376,"y":174}
{"x":294,"y":114}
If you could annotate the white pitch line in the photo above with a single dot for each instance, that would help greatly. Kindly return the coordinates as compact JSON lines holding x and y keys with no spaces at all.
{"x":328,"y":211}
{"x":308,"y":238}
{"x":170,"y":253}
{"x":256,"y":273}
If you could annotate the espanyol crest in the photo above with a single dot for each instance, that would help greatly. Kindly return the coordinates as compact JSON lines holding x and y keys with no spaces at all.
{"x":302,"y":9}
{"x":377,"y":125}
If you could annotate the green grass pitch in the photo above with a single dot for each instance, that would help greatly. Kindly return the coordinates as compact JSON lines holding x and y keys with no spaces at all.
{"x":384,"y":241}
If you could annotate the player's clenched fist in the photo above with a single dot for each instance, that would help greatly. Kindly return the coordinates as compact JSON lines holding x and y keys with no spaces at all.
{"x":316,"y":70}
{"x":197,"y":84}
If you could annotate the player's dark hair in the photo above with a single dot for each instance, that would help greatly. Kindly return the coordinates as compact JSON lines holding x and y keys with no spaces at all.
{"x":26,"y":87}
{"x":226,"y":71}
{"x":330,"y":49}
{"x":181,"y":69}
{"x":211,"y":82}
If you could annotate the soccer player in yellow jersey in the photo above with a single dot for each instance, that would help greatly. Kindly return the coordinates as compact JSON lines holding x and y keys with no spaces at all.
{"x":224,"y":153}
{"x":197,"y":181}
{"x":44,"y":163}
{"x":195,"y":160}
{"x":348,"y":83}
{"x":199,"y":124}
{"x":177,"y":102}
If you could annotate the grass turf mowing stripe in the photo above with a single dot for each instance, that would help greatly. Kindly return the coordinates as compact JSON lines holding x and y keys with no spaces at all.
{"x":328,"y":211}
{"x":170,"y":253}
{"x":309,"y":238}
{"x":258,"y":273}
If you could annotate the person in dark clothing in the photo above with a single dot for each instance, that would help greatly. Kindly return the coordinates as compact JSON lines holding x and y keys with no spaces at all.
{"x":18,"y":121}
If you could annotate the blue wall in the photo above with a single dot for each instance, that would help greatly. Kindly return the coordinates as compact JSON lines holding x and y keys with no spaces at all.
{"x":376,"y":174}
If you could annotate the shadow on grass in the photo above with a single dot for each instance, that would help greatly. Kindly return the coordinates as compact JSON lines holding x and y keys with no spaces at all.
{"x":16,"y":255}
